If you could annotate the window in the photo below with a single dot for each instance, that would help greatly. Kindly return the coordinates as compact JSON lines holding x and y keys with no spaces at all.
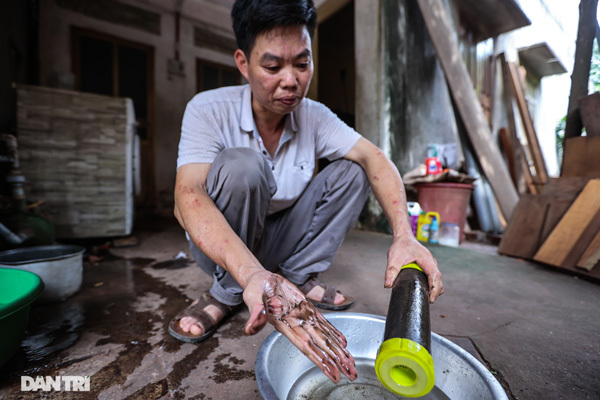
{"x":211,"y":76}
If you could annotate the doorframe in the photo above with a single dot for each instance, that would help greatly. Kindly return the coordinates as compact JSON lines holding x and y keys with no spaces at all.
{"x":325,"y":9}
{"x":148,"y":192}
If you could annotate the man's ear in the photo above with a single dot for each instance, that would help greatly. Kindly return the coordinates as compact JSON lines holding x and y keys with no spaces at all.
{"x":242,"y":62}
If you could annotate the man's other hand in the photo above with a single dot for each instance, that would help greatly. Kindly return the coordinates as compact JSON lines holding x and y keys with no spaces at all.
{"x":271,"y":298}
{"x":406,"y":249}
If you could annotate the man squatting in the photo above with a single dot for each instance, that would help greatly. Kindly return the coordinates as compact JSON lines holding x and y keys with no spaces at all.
{"x":255,"y":217}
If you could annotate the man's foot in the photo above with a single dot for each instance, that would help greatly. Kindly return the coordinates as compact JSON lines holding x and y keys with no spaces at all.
{"x":194,"y":326}
{"x":317,"y":292}
{"x":199,"y":320}
{"x":325,"y":296}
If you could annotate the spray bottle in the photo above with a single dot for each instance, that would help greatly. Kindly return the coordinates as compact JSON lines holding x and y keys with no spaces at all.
{"x":404,"y":364}
{"x":434,"y":231}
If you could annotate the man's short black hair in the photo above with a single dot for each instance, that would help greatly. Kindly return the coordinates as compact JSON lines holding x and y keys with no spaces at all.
{"x":250,"y":18}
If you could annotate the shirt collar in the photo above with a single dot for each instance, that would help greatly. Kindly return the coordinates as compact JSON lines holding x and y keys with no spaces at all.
{"x":247,"y":119}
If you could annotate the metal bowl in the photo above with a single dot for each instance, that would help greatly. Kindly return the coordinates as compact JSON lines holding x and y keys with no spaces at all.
{"x":60,"y":267}
{"x":284,"y":373}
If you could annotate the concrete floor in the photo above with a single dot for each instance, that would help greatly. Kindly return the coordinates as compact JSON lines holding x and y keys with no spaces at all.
{"x":536,"y":329}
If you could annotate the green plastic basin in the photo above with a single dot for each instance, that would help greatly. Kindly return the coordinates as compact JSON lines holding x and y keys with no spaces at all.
{"x":18,"y":289}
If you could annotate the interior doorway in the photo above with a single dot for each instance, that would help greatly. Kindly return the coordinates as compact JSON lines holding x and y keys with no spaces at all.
{"x":336,"y":58}
{"x":112,"y":66}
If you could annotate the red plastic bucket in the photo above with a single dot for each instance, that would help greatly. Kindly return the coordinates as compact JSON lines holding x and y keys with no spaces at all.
{"x":449,"y":199}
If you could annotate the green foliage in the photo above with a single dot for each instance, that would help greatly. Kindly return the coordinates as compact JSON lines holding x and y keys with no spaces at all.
{"x":595,"y":67}
{"x":560,"y":138}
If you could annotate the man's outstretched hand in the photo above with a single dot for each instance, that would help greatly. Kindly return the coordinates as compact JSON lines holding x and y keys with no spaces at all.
{"x":406,"y":249}
{"x":272,"y":298}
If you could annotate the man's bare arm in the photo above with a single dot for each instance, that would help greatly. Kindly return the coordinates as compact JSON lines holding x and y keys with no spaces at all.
{"x":207,"y":227}
{"x":388,"y":189}
{"x":269,"y":297}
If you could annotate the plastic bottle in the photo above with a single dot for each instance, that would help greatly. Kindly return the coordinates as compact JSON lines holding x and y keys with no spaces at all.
{"x":449,"y":234}
{"x":422,"y":228}
{"x":404,"y":364}
{"x":434,"y":231}
{"x":414,"y":210}
{"x":424,"y":225}
{"x":433,"y":165}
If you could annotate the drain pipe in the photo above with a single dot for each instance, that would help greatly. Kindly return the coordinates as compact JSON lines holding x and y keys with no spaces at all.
{"x":11,"y":237}
{"x":15,"y":178}
{"x":175,"y":66}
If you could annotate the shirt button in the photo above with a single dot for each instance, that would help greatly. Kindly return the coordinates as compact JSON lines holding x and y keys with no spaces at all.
{"x":265,"y":152}
{"x":273,"y":167}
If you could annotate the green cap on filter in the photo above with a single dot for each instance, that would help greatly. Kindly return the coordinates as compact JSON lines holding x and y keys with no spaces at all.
{"x":404,"y":366}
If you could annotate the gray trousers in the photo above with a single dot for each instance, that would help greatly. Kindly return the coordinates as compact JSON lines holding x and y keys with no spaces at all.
{"x":298,"y":242}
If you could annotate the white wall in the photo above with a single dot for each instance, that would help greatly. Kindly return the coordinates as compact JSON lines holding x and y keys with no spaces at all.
{"x":554,"y":22}
{"x":369,"y":106}
{"x":171,"y":92}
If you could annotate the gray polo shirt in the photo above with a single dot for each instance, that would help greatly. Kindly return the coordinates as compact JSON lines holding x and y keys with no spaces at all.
{"x":218,"y":119}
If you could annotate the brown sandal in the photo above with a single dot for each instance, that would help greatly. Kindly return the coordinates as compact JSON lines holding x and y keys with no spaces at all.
{"x":328,"y":299}
{"x":196,"y":310}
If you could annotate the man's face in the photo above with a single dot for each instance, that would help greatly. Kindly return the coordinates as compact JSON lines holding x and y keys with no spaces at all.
{"x":279,"y":70}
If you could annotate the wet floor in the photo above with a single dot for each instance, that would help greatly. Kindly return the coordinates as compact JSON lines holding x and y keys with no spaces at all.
{"x":538,"y":331}
{"x":114,"y":329}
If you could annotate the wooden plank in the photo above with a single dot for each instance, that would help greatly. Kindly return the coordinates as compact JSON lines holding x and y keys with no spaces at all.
{"x":581,"y":157}
{"x":521,"y":238}
{"x":527,"y":176}
{"x":593,"y":272}
{"x":589,"y":108}
{"x":573,"y":229}
{"x":532,"y":140}
{"x":535,"y":217}
{"x":585,"y":239}
{"x":523,"y":173}
{"x":559,"y":194}
{"x":507,"y":148}
{"x":591,"y":256}
{"x":444,"y":40}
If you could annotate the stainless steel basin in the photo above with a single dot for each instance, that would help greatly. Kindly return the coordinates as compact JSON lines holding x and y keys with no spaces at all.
{"x":284,"y":373}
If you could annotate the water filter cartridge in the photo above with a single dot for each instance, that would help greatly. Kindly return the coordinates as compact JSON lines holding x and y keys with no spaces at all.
{"x":404,"y":364}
